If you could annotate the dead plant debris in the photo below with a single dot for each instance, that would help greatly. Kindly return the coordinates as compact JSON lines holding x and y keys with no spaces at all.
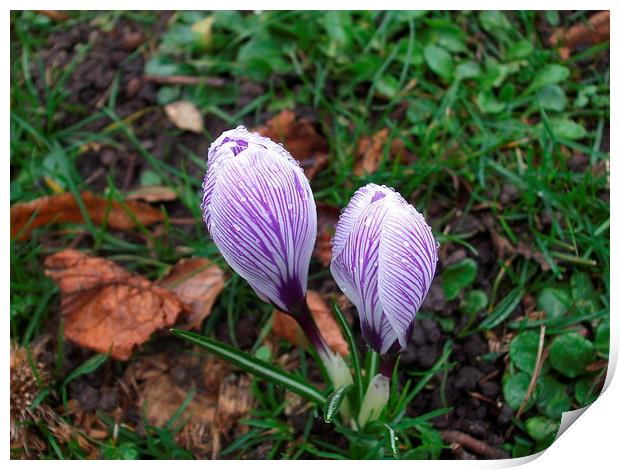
{"x":104,"y":307}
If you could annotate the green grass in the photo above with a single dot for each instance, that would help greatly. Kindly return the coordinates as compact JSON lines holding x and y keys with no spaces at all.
{"x":488,"y":104}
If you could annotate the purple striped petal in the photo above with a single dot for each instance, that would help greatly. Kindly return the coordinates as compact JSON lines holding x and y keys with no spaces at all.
{"x":263,"y":220}
{"x":384,"y":258}
{"x":407,"y":260}
{"x":360,"y":200}
{"x":356,"y":270}
{"x":227,"y":146}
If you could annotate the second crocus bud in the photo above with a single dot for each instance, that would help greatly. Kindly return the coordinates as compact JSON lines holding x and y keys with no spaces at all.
{"x":383,"y":258}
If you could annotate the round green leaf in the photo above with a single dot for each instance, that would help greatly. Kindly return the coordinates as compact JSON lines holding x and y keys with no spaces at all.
{"x":519,"y":50}
{"x":554,"y":301}
{"x":523,"y":350}
{"x":541,"y":428}
{"x":567,"y":129}
{"x":468,"y":69}
{"x":570,"y":354}
{"x":552,"y":98}
{"x":585,"y":391}
{"x":515,"y":389}
{"x":601,"y":340}
{"x":552,"y":73}
{"x":439,"y":61}
{"x":458,"y":276}
{"x":583,"y":293}
{"x":488,"y":103}
{"x":474,"y":301}
{"x":552,"y":399}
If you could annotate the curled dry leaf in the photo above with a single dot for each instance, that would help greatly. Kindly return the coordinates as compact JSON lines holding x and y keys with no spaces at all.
{"x":63,"y":208}
{"x":104,"y":307}
{"x":185,"y":115}
{"x":152,"y":193}
{"x":197,"y":282}
{"x":593,"y":31}
{"x":287,"y":328}
{"x":163,"y":383}
{"x":301,"y":139}
{"x":234,"y":402}
{"x":369,"y":152}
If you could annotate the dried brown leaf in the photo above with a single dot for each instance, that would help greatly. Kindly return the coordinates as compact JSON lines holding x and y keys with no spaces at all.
{"x":152,"y":194}
{"x":234,"y":402}
{"x":301,"y":139}
{"x":163,"y":397}
{"x":185,"y":115}
{"x":106,"y":308}
{"x":287,"y":328}
{"x":54,"y":15}
{"x":163,"y":383}
{"x":369,"y":152}
{"x":197,"y":282}
{"x":593,"y":31}
{"x":63,"y":208}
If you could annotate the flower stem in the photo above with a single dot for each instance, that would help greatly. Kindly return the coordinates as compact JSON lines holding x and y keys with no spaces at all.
{"x":336,"y":368}
{"x":388,"y":362}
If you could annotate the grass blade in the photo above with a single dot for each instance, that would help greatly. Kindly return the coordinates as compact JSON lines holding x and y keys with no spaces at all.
{"x":253,"y":365}
{"x":333,"y":403}
{"x":503,"y":309}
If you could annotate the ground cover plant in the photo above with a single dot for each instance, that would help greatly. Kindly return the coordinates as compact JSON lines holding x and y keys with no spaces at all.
{"x":494,"y":125}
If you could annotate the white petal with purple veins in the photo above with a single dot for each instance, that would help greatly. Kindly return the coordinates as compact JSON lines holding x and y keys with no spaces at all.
{"x":360,"y":200}
{"x":263,"y":220}
{"x":384,"y":258}
{"x":226,"y":147}
{"x":356,"y":269}
{"x":407,"y":260}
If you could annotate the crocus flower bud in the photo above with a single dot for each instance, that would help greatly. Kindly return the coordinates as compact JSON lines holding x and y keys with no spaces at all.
{"x":259,"y":210}
{"x":375,"y":399}
{"x":383,"y":258}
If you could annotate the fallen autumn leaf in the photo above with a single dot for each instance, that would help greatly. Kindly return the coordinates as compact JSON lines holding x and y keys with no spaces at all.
{"x":197,"y":282}
{"x":152,"y":193}
{"x":301,"y":139}
{"x":63,"y":208}
{"x":185,"y":115}
{"x":593,"y":31}
{"x":104,"y":307}
{"x":369,"y":152}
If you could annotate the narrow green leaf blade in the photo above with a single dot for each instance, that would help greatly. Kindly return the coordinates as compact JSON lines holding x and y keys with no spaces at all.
{"x":86,"y":368}
{"x":334,"y":402}
{"x":253,"y":365}
{"x":393,"y":440}
{"x":503,"y":309}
